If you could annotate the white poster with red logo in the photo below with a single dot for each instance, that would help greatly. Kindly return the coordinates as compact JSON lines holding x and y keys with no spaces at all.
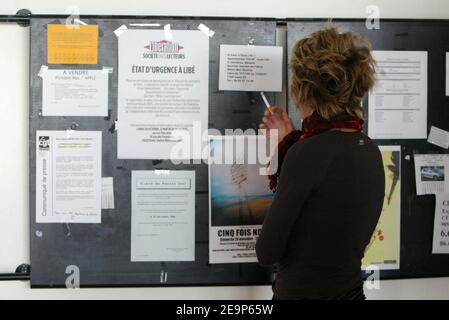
{"x":163,"y":86}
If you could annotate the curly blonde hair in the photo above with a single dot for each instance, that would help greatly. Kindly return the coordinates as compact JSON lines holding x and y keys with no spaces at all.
{"x":332,"y":71}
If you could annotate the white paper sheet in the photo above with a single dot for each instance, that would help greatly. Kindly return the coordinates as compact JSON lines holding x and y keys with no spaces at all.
{"x":441,"y":224}
{"x":438,"y":137}
{"x":397,"y":107}
{"x":70,"y":92}
{"x":107,"y":193}
{"x":68,"y":176}
{"x":431,"y":173}
{"x":447,"y":73}
{"x":250,"y":68}
{"x":163,"y":90}
{"x":163,"y":216}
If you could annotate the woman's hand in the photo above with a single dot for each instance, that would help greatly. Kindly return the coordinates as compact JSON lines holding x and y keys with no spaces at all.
{"x":277,"y":119}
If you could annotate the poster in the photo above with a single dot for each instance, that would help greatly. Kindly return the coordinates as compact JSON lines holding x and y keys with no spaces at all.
{"x":397,"y":105}
{"x":441,"y":224}
{"x":163,"y":88}
{"x":163,"y":216}
{"x":431,"y":173}
{"x":75,"y":92}
{"x":239,"y":198}
{"x":250,"y":68}
{"x":68,"y":176}
{"x":69,"y":44}
{"x":383,"y":250}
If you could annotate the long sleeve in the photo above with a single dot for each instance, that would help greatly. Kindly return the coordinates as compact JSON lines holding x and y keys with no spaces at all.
{"x":302,"y":171}
{"x":283,"y":147}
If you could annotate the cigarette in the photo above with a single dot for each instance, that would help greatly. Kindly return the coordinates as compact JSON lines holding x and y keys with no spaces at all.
{"x":266,"y":102}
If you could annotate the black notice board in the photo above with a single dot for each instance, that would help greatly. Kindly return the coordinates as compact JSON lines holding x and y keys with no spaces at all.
{"x":102,"y":251}
{"x":417,"y":212}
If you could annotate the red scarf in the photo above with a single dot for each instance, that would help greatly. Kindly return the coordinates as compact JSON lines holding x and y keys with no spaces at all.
{"x":311,"y":126}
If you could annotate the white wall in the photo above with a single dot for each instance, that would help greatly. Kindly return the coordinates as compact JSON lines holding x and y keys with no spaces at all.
{"x":259,"y":8}
{"x":14,"y":91}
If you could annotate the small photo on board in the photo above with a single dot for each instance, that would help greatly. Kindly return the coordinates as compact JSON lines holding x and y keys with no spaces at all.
{"x":432,"y":173}
{"x":239,"y":194}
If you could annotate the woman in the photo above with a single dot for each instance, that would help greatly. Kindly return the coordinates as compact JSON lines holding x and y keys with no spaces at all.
{"x":330,"y":183}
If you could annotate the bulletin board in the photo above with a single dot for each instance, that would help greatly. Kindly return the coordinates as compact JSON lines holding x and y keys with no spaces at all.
{"x":417,"y":212}
{"x":102,"y":251}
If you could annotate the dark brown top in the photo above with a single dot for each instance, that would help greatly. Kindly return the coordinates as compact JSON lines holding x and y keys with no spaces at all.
{"x":326,"y":207}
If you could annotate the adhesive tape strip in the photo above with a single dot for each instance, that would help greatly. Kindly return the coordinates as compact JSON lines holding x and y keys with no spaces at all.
{"x":80,"y":22}
{"x":120,"y":30}
{"x":167,"y":30}
{"x":69,"y":133}
{"x":107,"y":69}
{"x":145,"y":24}
{"x":206,"y":30}
{"x":162,"y":171}
{"x":42,"y":71}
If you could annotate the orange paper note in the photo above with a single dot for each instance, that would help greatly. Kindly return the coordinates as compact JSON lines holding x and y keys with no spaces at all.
{"x":69,"y":45}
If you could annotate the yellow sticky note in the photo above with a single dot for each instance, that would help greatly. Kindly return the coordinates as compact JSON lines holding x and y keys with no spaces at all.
{"x":72,"y":45}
